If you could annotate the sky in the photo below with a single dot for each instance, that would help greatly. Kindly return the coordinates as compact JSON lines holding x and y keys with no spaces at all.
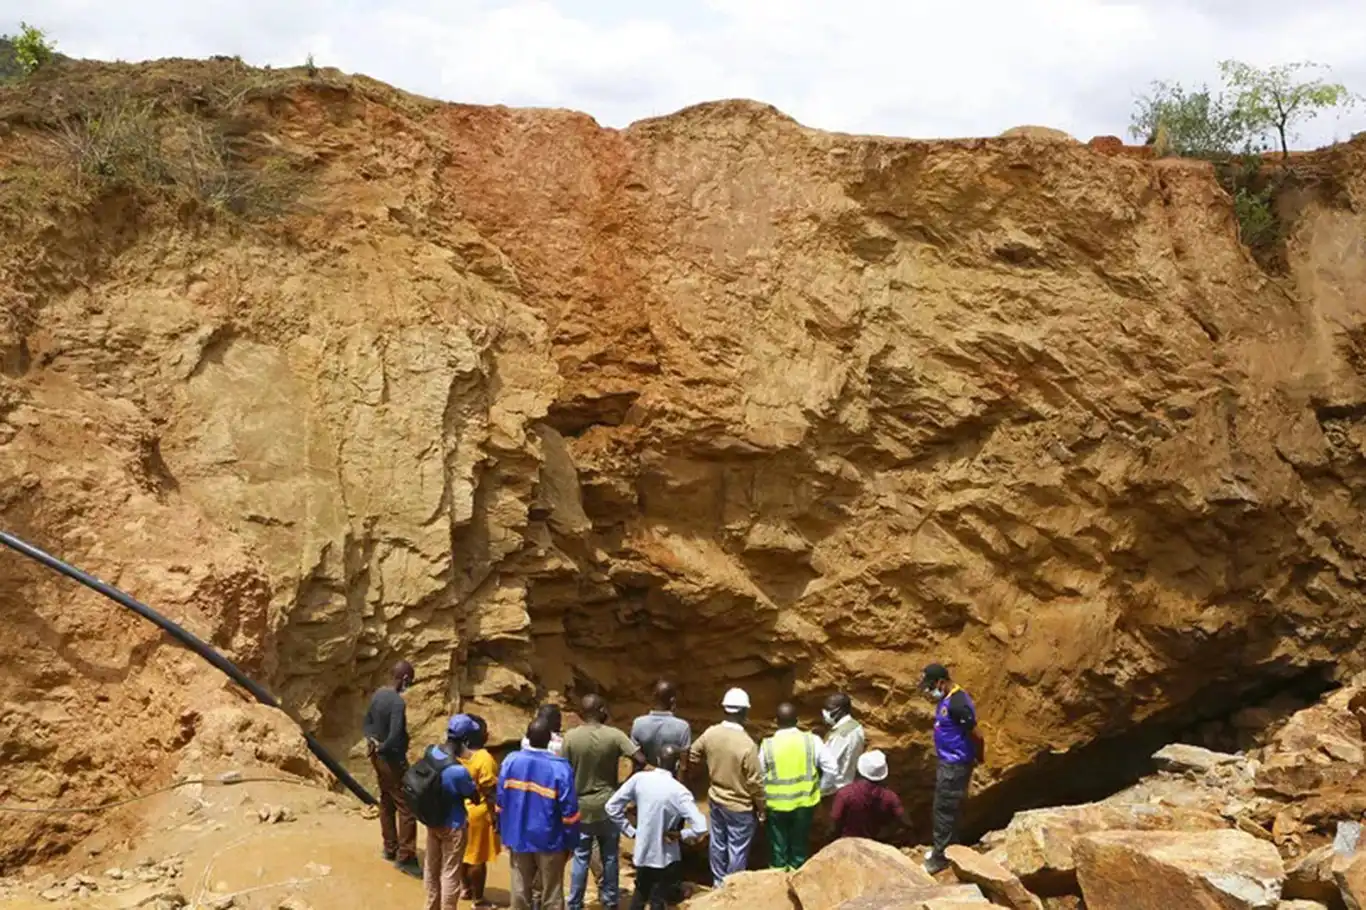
{"x":919,"y":68}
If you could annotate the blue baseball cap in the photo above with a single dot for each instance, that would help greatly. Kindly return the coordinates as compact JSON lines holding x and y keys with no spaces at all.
{"x":461,"y":726}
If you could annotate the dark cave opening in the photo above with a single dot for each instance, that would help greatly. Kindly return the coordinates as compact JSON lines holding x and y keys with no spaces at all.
{"x":1219,"y":719}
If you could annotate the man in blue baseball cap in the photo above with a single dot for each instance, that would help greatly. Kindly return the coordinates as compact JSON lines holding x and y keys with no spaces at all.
{"x":436,"y":788}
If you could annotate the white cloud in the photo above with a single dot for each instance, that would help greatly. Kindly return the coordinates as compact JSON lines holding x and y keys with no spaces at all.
{"x":901,"y":67}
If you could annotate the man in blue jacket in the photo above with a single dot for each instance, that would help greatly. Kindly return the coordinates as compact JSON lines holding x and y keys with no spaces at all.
{"x":538,"y":817}
{"x":959,"y":747}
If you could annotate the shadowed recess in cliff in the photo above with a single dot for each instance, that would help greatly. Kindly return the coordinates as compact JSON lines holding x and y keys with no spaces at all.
{"x":1105,"y":766}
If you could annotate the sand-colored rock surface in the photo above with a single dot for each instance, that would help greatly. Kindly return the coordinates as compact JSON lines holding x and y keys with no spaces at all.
{"x":551,"y":408}
{"x":998,"y":883}
{"x":764,"y":890}
{"x":853,"y":868}
{"x":1158,"y":870}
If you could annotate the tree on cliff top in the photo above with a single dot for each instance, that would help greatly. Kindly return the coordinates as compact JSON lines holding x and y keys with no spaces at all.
{"x":1275,"y":99}
{"x":1194,"y":124}
{"x":28,"y":51}
{"x":1254,"y":106}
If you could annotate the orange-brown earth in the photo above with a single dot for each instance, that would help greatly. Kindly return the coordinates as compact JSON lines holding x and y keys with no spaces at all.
{"x":335,"y":375}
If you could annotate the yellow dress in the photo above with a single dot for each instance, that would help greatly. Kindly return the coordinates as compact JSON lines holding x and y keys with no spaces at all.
{"x":482,"y":844}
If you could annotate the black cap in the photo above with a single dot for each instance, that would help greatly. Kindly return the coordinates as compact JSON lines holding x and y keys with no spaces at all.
{"x":934,"y":673}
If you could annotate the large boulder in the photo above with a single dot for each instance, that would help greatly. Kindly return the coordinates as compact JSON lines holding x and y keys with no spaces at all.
{"x":1350,"y":874}
{"x":1039,"y":843}
{"x":853,"y":867}
{"x":929,"y":897}
{"x":764,"y":890}
{"x":1163,"y":870}
{"x":997,"y":882}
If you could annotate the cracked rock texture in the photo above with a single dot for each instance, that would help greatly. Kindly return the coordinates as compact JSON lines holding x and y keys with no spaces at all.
{"x":550,"y":408}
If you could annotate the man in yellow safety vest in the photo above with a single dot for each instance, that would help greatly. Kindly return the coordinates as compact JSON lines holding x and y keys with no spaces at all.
{"x":792,"y":762}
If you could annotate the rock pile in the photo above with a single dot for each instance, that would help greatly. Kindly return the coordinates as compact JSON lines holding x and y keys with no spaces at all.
{"x":1275,"y":828}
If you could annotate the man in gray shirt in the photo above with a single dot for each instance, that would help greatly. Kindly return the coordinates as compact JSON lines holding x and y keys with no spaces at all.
{"x":662,"y":806}
{"x":660,"y":728}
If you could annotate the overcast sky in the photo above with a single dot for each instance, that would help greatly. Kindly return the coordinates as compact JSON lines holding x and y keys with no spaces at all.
{"x":923,"y":68}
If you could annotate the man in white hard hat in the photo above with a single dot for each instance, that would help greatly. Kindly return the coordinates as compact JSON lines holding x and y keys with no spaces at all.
{"x":736,"y":793}
{"x":868,"y":807}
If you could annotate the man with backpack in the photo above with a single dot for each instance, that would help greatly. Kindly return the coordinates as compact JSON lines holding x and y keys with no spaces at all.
{"x":538,"y":815}
{"x":436,"y":788}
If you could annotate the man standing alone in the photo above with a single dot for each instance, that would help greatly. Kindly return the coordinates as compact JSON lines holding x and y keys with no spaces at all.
{"x":595,"y":750}
{"x":386,"y":739}
{"x":737,"y":790}
{"x":792,"y":762}
{"x":959,"y":747}
{"x":538,"y":814}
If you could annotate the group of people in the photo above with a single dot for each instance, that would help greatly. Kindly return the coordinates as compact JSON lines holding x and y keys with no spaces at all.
{"x":559,"y":796}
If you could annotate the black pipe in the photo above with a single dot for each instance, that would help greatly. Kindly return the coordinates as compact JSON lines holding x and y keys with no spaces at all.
{"x":191,"y":641}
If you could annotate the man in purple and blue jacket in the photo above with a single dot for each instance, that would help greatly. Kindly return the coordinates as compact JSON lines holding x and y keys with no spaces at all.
{"x":959,"y":747}
{"x":538,"y":817}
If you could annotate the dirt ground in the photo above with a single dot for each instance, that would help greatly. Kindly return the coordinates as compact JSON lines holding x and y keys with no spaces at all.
{"x":325,"y":854}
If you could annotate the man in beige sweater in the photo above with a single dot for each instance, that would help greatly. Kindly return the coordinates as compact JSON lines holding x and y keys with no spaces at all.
{"x":737,"y":788}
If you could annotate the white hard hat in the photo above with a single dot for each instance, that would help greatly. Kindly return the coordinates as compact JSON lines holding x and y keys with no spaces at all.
{"x":873,"y":765}
{"x":736,"y":698}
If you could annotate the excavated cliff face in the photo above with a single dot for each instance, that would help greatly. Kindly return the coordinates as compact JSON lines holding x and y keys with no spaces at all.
{"x":549,"y":409}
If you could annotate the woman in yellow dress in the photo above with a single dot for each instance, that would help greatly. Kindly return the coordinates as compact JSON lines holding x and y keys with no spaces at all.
{"x":482,"y":844}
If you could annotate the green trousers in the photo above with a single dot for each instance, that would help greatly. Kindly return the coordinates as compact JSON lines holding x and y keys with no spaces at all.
{"x":789,"y":837}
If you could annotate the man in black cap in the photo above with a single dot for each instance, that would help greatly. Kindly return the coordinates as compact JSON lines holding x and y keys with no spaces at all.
{"x":959,"y":747}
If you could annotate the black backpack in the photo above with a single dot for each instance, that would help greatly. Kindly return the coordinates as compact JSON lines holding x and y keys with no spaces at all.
{"x":422,"y":789}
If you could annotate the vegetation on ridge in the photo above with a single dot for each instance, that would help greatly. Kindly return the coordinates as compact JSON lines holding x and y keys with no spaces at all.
{"x":1235,"y":127}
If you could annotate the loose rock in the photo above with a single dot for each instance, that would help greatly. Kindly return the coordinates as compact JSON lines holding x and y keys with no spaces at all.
{"x":1162,"y":870}
{"x":997,"y":882}
{"x":854,"y":867}
{"x":931,"y":897}
{"x":746,"y":890}
{"x":1180,"y":758}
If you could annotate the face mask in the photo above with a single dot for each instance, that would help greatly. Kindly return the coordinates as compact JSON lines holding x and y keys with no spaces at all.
{"x":829,"y":716}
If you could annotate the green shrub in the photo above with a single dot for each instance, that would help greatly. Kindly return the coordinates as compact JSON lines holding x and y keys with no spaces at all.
{"x":32,"y":49}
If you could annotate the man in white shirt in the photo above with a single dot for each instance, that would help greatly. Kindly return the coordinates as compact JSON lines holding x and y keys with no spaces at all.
{"x":662,"y":806}
{"x":843,"y":745}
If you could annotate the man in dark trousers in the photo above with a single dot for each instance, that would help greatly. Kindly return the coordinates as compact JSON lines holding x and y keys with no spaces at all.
{"x":386,"y":740}
{"x":959,"y":747}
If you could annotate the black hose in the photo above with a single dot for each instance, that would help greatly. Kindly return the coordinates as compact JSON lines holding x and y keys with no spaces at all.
{"x":191,"y":641}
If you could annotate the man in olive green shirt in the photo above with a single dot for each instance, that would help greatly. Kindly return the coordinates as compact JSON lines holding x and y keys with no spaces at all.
{"x":595,"y":751}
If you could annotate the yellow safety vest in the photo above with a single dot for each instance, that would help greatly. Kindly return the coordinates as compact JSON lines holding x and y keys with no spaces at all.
{"x":792,"y":778}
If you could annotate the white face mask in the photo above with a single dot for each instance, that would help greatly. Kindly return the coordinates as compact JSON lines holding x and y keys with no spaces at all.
{"x":830,"y":718}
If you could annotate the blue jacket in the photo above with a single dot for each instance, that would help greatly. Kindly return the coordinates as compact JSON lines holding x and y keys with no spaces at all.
{"x":458,"y":786}
{"x":538,"y":808}
{"x":954,"y":720}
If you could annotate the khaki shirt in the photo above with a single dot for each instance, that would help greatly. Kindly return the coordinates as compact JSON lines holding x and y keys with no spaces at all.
{"x":732,"y":760}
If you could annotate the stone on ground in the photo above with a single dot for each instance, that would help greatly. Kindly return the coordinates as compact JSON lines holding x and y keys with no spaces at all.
{"x":930,"y":897}
{"x":853,"y":867}
{"x":1163,"y":870}
{"x":1311,"y":877}
{"x":1349,"y":871}
{"x":764,"y":890}
{"x":1180,"y":757}
{"x":1301,"y":905}
{"x":998,"y":883}
{"x":1039,"y":843}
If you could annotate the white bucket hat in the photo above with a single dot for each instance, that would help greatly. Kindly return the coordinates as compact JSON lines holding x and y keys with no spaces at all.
{"x":873,"y":765}
{"x":736,"y":699}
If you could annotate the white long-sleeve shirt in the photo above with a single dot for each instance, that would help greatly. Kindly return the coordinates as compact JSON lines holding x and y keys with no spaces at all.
{"x":842,"y":751}
{"x":661,"y":802}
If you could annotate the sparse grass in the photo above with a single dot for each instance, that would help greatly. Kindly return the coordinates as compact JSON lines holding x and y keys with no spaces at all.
{"x":191,"y":135}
